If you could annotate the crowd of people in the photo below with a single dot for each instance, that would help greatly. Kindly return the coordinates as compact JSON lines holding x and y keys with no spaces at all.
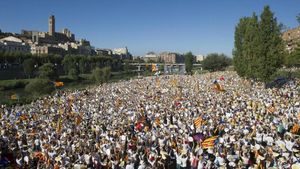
{"x":213,"y":120}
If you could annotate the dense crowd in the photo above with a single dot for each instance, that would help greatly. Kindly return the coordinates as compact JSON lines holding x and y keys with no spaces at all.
{"x":215,"y":120}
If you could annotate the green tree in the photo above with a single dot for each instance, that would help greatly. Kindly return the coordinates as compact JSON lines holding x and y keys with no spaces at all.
{"x":258,"y":46}
{"x":73,"y":74}
{"x":47,"y":71}
{"x":28,"y":66}
{"x":293,"y":59}
{"x":82,"y":65}
{"x":298,"y":18}
{"x":97,"y":75}
{"x":216,"y":62}
{"x":188,"y":60}
{"x":271,"y":47}
{"x":126,"y":67}
{"x":40,"y":86}
{"x":106,"y":73}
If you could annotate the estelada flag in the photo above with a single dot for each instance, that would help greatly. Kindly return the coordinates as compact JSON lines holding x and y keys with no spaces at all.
{"x":198,"y":122}
{"x":59,"y":84}
{"x":210,"y":142}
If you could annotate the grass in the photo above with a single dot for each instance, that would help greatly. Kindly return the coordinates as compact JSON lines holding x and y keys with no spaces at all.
{"x":10,"y":87}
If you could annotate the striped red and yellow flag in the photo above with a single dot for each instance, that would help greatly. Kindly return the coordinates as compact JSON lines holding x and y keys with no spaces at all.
{"x":58,"y":125}
{"x":299,"y":116}
{"x":271,"y":109}
{"x":157,"y":121}
{"x":58,"y":84}
{"x":295,"y":128}
{"x":210,"y":142}
{"x":198,"y":122}
{"x":78,"y":119}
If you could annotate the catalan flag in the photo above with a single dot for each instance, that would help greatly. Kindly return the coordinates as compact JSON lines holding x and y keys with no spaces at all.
{"x":58,"y":84}
{"x":210,"y":142}
{"x":154,"y":68}
{"x":295,"y":129}
{"x":14,"y":97}
{"x":157,"y":82}
{"x":198,"y":122}
{"x":271,"y":109}
{"x":118,"y":102}
{"x":157,"y":121}
{"x":58,"y":125}
{"x":78,"y":119}
{"x":173,"y":82}
{"x":219,"y":87}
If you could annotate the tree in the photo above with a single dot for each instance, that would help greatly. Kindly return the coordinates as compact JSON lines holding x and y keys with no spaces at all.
{"x":216,"y":62}
{"x":28,"y":66}
{"x":258,"y":47}
{"x":293,"y":59}
{"x":188,"y":60}
{"x":126,"y":67}
{"x":298,"y":18}
{"x":271,"y":47}
{"x":40,"y":86}
{"x":97,"y":75}
{"x":73,"y":74}
{"x":47,"y":71}
{"x":106,"y":73}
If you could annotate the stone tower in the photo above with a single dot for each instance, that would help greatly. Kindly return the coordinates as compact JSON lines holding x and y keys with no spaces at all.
{"x":51,"y":25}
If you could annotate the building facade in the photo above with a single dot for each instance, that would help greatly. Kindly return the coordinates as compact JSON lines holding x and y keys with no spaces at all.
{"x":199,"y":58}
{"x":170,"y":57}
{"x":13,"y":44}
{"x":291,"y":38}
{"x":51,"y":29}
{"x":151,"y":57}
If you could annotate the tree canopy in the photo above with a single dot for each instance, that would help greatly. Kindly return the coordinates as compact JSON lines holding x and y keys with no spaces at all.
{"x":188,"y":60}
{"x":258,"y":46}
{"x":216,"y":62}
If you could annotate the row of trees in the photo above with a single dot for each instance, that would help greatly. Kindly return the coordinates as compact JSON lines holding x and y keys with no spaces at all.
{"x":47,"y":74}
{"x":212,"y":62}
{"x":72,"y":64}
{"x":258,"y":46}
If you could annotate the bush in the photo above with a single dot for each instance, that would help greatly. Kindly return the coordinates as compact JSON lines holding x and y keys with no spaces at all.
{"x":97,"y":75}
{"x":216,"y":62}
{"x":106,"y":73}
{"x":47,"y":71}
{"x":28,"y":66}
{"x":285,"y":74}
{"x":101,"y":75}
{"x":73,"y":74}
{"x":13,"y":84}
{"x":40,"y":86}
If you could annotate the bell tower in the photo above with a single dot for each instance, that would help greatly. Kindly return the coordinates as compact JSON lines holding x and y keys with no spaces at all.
{"x":51,"y":25}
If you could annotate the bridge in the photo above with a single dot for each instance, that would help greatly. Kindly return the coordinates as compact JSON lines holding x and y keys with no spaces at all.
{"x":169,"y":68}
